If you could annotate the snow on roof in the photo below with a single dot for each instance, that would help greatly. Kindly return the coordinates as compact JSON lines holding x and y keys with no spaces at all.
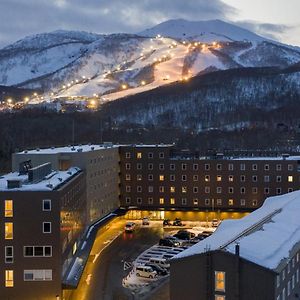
{"x":69,"y":149}
{"x":49,"y":183}
{"x":265,"y":236}
{"x":268,"y":158}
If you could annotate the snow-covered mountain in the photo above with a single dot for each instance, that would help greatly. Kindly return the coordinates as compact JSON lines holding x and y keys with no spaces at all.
{"x":68,"y":63}
{"x":204,"y":31}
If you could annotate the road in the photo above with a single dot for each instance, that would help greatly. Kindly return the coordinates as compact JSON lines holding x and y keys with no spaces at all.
{"x":103,"y":274}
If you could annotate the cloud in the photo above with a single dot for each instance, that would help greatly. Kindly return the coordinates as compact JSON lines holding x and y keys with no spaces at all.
{"x":273,"y":31}
{"x":25,"y":17}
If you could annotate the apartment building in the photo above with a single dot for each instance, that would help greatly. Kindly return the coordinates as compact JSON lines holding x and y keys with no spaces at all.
{"x":42,"y":221}
{"x":257,"y":257}
{"x":156,"y":177}
{"x":100,"y":164}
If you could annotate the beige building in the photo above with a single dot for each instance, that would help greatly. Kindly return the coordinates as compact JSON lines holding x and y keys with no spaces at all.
{"x":100,"y":164}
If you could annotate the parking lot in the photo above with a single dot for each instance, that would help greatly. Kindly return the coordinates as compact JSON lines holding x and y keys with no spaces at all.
{"x":152,"y":265}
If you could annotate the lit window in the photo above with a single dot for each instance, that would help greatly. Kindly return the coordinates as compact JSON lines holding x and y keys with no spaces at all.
{"x":9,"y":278}
{"x":172,"y":201}
{"x":46,"y":205}
{"x":138,"y":177}
{"x":290,"y":178}
{"x":161,"y":177}
{"x":184,"y":189}
{"x":219,"y":297}
{"x":37,"y":275}
{"x":230,"y":202}
{"x":219,"y":178}
{"x":195,"y":201}
{"x":8,"y":208}
{"x":230,"y":178}
{"x":9,"y":235}
{"x":127,"y":177}
{"x":207,"y":178}
{"x":46,"y":227}
{"x":254,"y":202}
{"x":172,"y":189}
{"x":219,"y":281}
{"x":9,"y":254}
{"x":161,"y":200}
{"x":139,"y":155}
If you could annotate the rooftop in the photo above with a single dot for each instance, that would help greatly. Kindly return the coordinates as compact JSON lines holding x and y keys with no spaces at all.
{"x":51,"y":182}
{"x":266,"y":236}
{"x":69,"y":149}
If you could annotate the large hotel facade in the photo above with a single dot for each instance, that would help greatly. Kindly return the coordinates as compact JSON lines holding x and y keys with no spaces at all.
{"x":43,"y":219}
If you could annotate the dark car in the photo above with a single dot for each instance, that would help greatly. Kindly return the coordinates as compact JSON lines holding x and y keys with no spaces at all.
{"x":166,"y":222}
{"x":184,"y":235}
{"x":169,"y":242}
{"x":160,"y":271}
{"x":177,"y":222}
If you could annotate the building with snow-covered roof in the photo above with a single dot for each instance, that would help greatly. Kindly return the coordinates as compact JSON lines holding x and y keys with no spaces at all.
{"x":100,"y":164}
{"x":256,"y":257}
{"x":43,"y":218}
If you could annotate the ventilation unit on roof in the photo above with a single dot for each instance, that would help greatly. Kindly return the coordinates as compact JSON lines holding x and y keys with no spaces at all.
{"x":285,"y":155}
{"x":37,"y":149}
{"x":52,"y":148}
{"x":79,"y":150}
{"x":93,"y":148}
{"x":14,"y":183}
{"x":73,"y":148}
{"x":24,"y":166}
{"x":39,"y":173}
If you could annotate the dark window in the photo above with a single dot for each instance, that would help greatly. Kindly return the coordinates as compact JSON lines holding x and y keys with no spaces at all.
{"x":47,"y":227}
{"x":38,"y":251}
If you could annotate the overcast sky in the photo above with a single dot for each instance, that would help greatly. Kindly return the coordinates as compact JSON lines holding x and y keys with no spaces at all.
{"x":18,"y":18}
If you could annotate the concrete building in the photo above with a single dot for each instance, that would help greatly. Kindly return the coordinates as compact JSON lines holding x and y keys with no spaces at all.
{"x":43,"y":217}
{"x":100,"y":164}
{"x":157,"y":178}
{"x":257,"y":257}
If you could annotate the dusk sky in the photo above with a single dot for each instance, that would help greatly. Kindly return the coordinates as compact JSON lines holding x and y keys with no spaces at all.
{"x":277,"y":19}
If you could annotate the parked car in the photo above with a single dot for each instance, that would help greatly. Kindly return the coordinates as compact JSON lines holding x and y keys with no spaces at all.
{"x":184,"y":235}
{"x":215,"y":223}
{"x":177,"y":222}
{"x":162,"y":262}
{"x":145,"y":271}
{"x":169,"y":242}
{"x":166,"y":222}
{"x":145,"y":221}
{"x":160,"y":271}
{"x":129,"y":227}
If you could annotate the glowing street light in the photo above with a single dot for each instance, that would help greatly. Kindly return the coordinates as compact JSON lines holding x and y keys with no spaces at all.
{"x":124,"y":86}
{"x":143,"y":82}
{"x":26,"y":99}
{"x":9,"y":101}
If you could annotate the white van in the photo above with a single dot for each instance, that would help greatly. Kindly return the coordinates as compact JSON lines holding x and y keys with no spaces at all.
{"x":162,"y":262}
{"x":145,"y":271}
